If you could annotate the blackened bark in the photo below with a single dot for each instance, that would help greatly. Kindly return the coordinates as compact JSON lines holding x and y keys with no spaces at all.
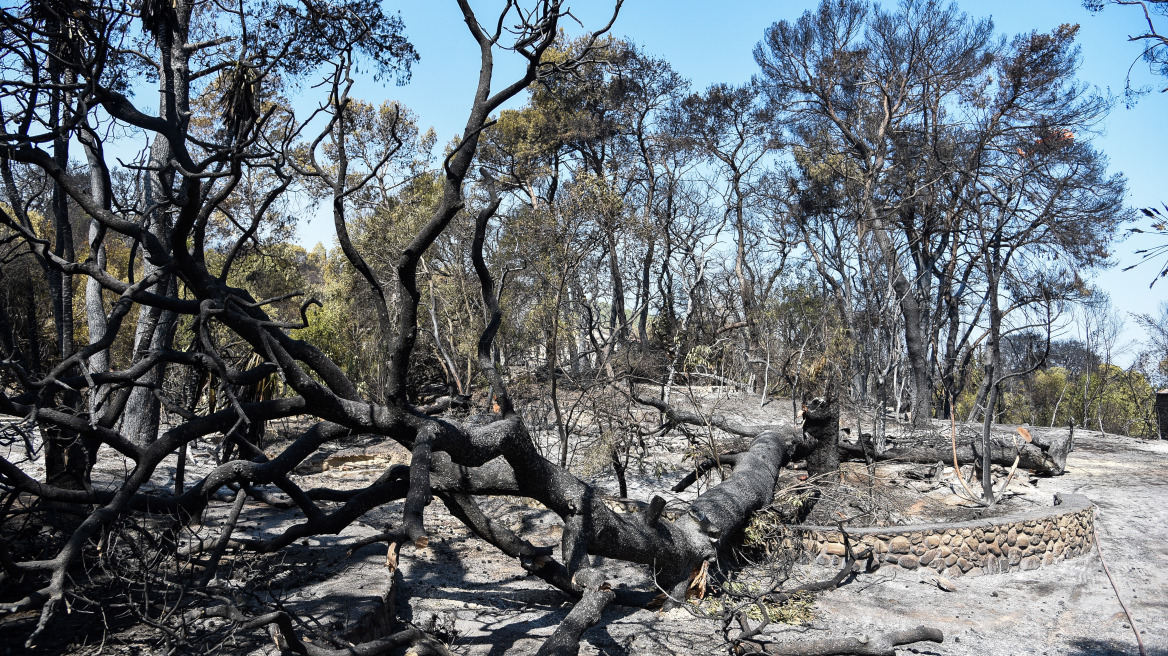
{"x":597,"y":594}
{"x":821,"y":424}
{"x":1047,"y":457}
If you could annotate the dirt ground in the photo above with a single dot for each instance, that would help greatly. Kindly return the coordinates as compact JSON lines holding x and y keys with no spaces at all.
{"x":488,"y":606}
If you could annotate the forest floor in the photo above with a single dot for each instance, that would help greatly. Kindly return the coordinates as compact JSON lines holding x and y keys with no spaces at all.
{"x":488,"y":606}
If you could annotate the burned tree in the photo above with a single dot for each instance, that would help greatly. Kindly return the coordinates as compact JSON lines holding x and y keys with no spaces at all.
{"x":180,"y":197}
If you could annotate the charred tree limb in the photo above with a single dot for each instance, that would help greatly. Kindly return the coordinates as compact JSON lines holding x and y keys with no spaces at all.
{"x":490,"y":300}
{"x":536,"y":560}
{"x":703,"y":467}
{"x":727,"y":506}
{"x":287,"y":640}
{"x":224,"y":537}
{"x":654,"y":510}
{"x":841,"y":577}
{"x":884,"y":644}
{"x":675,"y":417}
{"x":336,"y":521}
{"x":419,"y":495}
{"x":597,"y":595}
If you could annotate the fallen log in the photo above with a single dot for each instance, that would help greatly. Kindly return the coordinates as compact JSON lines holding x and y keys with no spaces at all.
{"x":879,"y":645}
{"x":1044,"y":455}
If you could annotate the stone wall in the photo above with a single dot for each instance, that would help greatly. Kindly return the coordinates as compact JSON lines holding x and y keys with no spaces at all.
{"x":1013,"y":542}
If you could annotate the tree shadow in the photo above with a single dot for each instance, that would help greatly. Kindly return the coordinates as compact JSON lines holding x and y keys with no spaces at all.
{"x":1094,"y":647}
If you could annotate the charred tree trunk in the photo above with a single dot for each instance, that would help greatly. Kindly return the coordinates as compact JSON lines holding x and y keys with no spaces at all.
{"x":821,"y":424}
{"x":1044,"y":456}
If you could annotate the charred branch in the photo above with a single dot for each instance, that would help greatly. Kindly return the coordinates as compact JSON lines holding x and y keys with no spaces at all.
{"x":597,"y":595}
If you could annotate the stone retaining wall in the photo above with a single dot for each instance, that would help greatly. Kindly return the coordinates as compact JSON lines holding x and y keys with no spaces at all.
{"x":1019,"y":542}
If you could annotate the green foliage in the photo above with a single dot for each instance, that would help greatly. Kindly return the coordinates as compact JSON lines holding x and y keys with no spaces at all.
{"x":1106,"y":397}
{"x":769,"y":529}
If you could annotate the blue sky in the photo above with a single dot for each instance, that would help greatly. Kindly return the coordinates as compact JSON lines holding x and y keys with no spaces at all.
{"x":710,"y":42}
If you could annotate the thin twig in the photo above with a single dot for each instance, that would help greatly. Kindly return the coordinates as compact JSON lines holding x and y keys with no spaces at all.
{"x":1131,"y":622}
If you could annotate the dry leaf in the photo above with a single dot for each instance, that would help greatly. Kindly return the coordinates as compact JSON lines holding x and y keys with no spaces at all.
{"x":657,"y":602}
{"x":391,"y":557}
{"x":697,"y":582}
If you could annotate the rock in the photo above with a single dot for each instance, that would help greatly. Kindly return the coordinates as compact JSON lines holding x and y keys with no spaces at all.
{"x":945,"y":584}
{"x":899,"y":545}
{"x":932,"y":542}
{"x":928,"y":556}
{"x":908,"y":562}
{"x":836,"y":549}
{"x":1015,"y":555}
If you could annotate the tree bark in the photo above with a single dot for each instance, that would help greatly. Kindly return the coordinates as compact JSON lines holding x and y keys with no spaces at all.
{"x":884,"y":644}
{"x":597,"y":594}
{"x":821,"y":423}
{"x":1047,"y":457}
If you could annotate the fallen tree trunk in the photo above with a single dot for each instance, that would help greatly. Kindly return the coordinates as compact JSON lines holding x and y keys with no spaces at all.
{"x":880,"y":645}
{"x":1044,"y":455}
